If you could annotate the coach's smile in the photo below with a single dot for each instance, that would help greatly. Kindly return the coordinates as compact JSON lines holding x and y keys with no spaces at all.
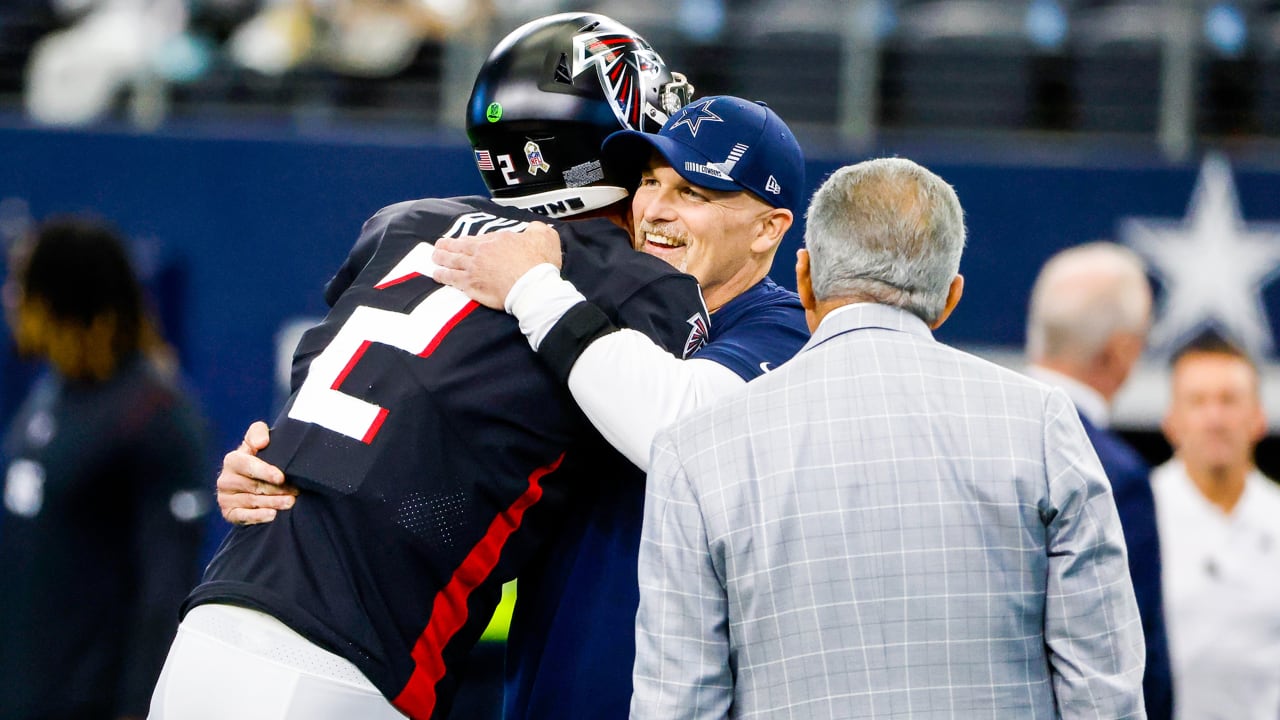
{"x":669,"y":247}
{"x":725,"y":239}
{"x":663,"y":240}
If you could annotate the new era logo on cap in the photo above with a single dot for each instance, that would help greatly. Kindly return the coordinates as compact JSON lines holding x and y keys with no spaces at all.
{"x":722,"y":143}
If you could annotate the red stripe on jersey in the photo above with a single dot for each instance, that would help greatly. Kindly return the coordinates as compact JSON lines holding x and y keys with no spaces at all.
{"x":355,"y":358}
{"x":430,"y":348}
{"x":435,"y":341}
{"x":375,"y":426}
{"x":449,"y":611}
{"x":396,"y":281}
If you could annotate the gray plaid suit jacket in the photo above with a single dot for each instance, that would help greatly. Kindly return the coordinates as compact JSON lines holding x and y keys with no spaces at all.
{"x":884,"y":527}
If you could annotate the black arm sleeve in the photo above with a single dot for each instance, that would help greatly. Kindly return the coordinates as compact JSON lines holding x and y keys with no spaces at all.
{"x":570,"y":336}
{"x":669,"y":310}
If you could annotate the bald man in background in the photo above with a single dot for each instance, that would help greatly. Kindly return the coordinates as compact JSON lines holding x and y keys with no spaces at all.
{"x":1087,"y":325}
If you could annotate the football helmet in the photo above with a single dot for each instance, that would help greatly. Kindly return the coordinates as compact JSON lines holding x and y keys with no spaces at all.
{"x":547,"y":97}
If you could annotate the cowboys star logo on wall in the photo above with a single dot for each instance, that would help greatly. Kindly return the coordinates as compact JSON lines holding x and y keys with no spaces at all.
{"x":1213,"y":266}
{"x":629,"y":71}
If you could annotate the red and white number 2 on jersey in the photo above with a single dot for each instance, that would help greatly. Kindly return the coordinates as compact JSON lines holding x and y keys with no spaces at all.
{"x":320,"y":401}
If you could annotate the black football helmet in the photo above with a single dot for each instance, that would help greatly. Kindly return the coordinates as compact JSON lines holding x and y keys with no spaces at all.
{"x":547,"y":97}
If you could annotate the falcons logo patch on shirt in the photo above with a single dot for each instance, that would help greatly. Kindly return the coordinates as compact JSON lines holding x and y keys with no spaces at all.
{"x":697,"y":335}
{"x":628,"y":69}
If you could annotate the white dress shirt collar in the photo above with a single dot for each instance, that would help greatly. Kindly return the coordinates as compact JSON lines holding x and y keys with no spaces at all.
{"x":1088,"y":402}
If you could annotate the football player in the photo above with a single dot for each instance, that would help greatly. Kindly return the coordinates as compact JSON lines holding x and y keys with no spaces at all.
{"x":433,"y":452}
{"x":717,"y":189}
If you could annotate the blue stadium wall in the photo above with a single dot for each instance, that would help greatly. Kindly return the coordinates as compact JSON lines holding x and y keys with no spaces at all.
{"x":240,"y":233}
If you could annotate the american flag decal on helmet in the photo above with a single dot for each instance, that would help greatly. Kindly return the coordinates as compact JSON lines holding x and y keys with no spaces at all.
{"x":628,"y":70}
{"x":697,"y":335}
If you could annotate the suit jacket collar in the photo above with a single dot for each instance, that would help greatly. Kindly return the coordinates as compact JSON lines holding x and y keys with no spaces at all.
{"x":861,"y":316}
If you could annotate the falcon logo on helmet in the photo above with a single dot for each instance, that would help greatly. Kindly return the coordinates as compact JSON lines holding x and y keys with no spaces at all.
{"x":562,"y":84}
{"x":628,"y":70}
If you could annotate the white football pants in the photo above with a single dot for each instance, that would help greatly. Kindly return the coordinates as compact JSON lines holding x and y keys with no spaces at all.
{"x":232,"y":663}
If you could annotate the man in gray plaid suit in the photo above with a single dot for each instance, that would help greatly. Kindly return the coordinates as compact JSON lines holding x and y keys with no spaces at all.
{"x":885,"y":526}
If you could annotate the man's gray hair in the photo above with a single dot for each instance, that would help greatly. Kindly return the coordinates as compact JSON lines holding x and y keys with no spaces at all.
{"x":886,"y":231}
{"x":1083,"y":296}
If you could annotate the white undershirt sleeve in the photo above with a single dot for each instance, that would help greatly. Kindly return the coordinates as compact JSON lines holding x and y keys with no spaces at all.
{"x":540,"y":298}
{"x":630,"y":388}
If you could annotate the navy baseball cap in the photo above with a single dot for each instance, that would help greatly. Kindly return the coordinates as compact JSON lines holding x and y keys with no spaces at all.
{"x":721,"y":143}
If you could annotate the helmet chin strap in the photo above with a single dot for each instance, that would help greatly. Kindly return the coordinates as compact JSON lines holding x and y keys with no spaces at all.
{"x":566,"y":202}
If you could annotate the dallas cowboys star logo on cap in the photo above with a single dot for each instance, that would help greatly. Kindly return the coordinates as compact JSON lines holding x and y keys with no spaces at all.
{"x":695,"y":115}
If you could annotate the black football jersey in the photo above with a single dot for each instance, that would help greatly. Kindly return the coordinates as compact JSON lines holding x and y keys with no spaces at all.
{"x":432,"y":448}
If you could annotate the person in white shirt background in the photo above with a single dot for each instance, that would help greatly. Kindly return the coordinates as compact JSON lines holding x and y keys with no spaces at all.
{"x":1220,"y":539}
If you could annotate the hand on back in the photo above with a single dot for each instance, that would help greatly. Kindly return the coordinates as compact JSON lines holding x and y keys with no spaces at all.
{"x":485,"y":267}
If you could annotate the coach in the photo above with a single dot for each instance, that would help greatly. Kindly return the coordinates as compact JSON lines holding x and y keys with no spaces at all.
{"x":716,"y":190}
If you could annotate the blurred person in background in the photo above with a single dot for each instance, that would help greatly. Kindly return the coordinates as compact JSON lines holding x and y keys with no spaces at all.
{"x":76,"y":74}
{"x":1086,"y":328}
{"x":1220,"y":539}
{"x":104,"y":486}
{"x":363,"y":38}
{"x":128,"y":52}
